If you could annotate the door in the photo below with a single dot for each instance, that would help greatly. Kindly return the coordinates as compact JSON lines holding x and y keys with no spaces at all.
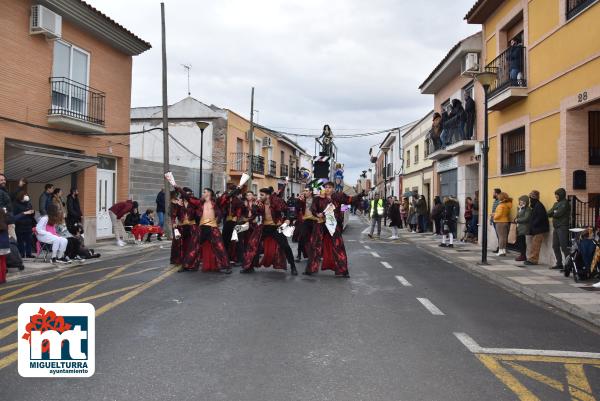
{"x":105,"y":198}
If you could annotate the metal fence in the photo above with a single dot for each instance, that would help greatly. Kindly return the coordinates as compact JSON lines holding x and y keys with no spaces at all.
{"x":72,"y":99}
{"x":272,"y":168}
{"x":584,"y":214}
{"x":284,"y":170}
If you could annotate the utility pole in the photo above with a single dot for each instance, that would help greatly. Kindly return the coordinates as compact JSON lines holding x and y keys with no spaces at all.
{"x":188,"y":67}
{"x":251,"y":140}
{"x":165,"y":115}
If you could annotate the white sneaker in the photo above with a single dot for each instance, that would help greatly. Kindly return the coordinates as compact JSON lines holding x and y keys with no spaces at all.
{"x":394,"y":237}
{"x":121,"y":243}
{"x":597,"y":285}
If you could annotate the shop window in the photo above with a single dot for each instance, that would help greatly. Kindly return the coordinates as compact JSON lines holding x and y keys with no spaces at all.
{"x":513,"y":151}
{"x":594,"y":137}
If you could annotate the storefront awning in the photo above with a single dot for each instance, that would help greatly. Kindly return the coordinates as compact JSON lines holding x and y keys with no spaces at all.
{"x":42,"y":164}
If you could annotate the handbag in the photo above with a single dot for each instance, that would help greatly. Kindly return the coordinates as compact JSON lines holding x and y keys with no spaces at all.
{"x":512,"y":234}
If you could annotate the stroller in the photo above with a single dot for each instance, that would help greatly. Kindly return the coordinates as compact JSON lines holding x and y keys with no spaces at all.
{"x":585,"y":252}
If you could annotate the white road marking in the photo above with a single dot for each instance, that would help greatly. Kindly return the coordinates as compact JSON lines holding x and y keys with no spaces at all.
{"x":366,"y":231}
{"x":367,"y":247}
{"x":375,"y":255}
{"x":386,"y":265}
{"x":403,"y":281}
{"x":475,"y":348}
{"x":434,"y":310}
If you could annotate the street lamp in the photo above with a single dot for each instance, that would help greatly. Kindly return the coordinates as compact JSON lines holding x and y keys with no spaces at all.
{"x":485,"y":78}
{"x":202,"y":125}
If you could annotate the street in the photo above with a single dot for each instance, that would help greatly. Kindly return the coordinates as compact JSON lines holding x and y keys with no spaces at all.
{"x":407,"y":325}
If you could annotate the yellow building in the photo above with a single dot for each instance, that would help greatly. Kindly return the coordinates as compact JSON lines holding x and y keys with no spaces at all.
{"x":544,"y":120}
{"x":417,"y":171}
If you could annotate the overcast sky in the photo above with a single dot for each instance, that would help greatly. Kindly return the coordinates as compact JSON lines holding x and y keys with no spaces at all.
{"x":353,"y":64}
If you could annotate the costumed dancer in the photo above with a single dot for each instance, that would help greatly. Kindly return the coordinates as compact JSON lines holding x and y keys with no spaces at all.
{"x":186,"y":215}
{"x":329,"y":248}
{"x":305,"y":222}
{"x":273,"y":209}
{"x":249,"y":209}
{"x":209,"y":241}
{"x":231,"y":208}
{"x":176,"y":245}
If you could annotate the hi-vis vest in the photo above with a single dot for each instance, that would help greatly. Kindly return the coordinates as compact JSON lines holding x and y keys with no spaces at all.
{"x":379,"y":207}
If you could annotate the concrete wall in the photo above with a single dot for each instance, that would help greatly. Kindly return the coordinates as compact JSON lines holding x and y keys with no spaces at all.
{"x":146,"y":180}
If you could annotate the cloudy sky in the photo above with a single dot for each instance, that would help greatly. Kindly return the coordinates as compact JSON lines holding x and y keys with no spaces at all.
{"x":353,"y":64}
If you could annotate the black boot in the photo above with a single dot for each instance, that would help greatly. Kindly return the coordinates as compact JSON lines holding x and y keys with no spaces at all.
{"x":294,"y":271}
{"x":247,"y":271}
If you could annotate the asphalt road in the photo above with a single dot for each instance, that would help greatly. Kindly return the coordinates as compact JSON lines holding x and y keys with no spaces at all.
{"x":435,"y":332}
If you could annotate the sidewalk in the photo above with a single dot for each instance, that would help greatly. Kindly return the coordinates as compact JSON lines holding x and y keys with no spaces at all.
{"x":107,"y":249}
{"x":539,"y":283}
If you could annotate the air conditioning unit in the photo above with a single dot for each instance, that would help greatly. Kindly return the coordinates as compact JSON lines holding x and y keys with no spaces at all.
{"x":472,"y":62}
{"x":266,"y":142}
{"x":45,"y":21}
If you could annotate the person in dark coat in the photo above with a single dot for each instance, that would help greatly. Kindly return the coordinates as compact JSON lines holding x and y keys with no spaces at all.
{"x":160,"y":208}
{"x":45,"y":199}
{"x":449,"y":219}
{"x":515,"y":62}
{"x":21,"y":187}
{"x":5,"y":221}
{"x":560,"y":213}
{"x":24,"y":222}
{"x":5,"y":201}
{"x":469,"y":116}
{"x":539,"y":225}
{"x":436,"y":215}
{"x":394,"y":215}
{"x":73,"y":208}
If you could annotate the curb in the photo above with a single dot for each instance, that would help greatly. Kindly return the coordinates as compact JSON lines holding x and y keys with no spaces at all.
{"x":53,"y":268}
{"x":536,"y":296}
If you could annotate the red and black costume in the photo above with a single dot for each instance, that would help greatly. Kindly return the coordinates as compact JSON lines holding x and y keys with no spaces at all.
{"x":305,"y":222}
{"x":274,"y":244}
{"x":249,"y":213}
{"x":176,"y":243}
{"x":325,"y":246}
{"x":186,"y":215}
{"x":231,"y":209}
{"x":209,"y":243}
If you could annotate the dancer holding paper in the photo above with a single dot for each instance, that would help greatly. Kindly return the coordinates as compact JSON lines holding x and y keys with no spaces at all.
{"x":327,"y":242}
{"x":231,"y":208}
{"x":273,"y":210}
{"x":305,"y":222}
{"x":176,"y":246}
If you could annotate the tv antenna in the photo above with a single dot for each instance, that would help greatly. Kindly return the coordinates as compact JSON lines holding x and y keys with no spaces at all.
{"x":188,"y":67}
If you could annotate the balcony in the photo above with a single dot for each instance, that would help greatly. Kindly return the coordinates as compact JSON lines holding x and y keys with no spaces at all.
{"x":294,"y":174}
{"x":76,"y":106}
{"x":239,"y":163}
{"x":284,"y":170}
{"x":510,"y":85}
{"x":272,"y":168}
{"x":454,"y":141}
{"x":389,"y":171}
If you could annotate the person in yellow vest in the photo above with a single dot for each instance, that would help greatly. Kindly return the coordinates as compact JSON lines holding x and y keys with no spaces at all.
{"x":376,"y":211}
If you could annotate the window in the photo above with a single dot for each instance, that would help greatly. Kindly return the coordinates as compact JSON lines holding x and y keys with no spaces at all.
{"x":594,"y":137}
{"x":70,"y":64}
{"x":513,"y":151}
{"x":408,"y":158}
{"x":574,"y":7}
{"x":416,"y":154}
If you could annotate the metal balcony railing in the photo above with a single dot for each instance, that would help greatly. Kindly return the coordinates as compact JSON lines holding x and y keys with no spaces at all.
{"x":284,"y":170}
{"x":272,"y":168}
{"x":75,"y":100}
{"x":240,"y":160}
{"x":389,"y":173}
{"x":294,"y":174}
{"x":509,"y":68}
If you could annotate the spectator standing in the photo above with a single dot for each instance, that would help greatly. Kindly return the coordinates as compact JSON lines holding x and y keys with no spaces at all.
{"x":24,"y":222}
{"x":436,"y":215}
{"x":116,"y":213}
{"x":376,"y":210}
{"x":5,"y":221}
{"x":468,"y":215}
{"x":160,"y":208}
{"x":5,"y":201}
{"x":560,"y":221}
{"x":449,"y":219}
{"x":502,"y":221}
{"x":73,"y":208}
{"x":522,"y":221}
{"x":469,"y":116}
{"x":515,"y":61}
{"x":475,"y":218}
{"x":404,"y":206}
{"x":21,"y":187}
{"x":422,"y":213}
{"x":45,"y":199}
{"x":494,"y":206}
{"x":538,"y":227}
{"x":394,"y":215}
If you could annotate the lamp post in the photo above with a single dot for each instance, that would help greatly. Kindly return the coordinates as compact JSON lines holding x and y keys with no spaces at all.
{"x":485,"y":78}
{"x":202,"y":125}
